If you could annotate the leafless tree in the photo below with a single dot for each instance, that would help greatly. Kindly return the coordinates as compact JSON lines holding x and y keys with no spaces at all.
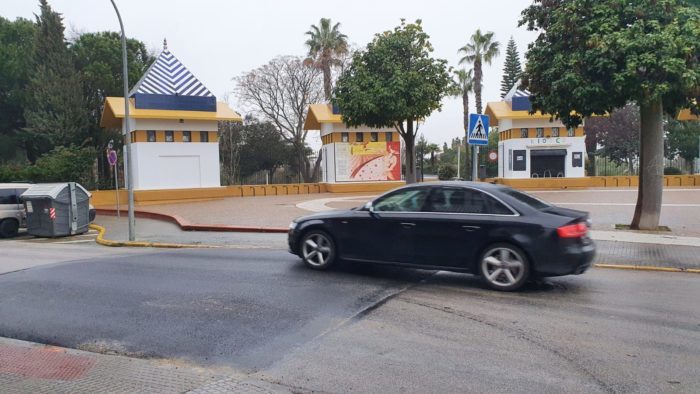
{"x":229,"y":151}
{"x":280,"y":92}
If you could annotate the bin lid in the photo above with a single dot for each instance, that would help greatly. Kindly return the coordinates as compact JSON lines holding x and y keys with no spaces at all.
{"x":51,"y":190}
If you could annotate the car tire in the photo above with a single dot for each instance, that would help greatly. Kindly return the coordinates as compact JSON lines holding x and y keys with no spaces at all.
{"x":504,"y":267}
{"x":9,"y":228}
{"x":317,"y":249}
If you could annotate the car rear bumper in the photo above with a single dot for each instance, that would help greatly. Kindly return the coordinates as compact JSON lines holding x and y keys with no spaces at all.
{"x":572,"y":259}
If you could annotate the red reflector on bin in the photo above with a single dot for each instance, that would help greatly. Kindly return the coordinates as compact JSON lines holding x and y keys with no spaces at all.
{"x":573,"y":230}
{"x":52,"y":213}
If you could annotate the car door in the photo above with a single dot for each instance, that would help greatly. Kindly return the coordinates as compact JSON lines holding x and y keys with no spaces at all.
{"x":385,"y":232}
{"x":459,"y":222}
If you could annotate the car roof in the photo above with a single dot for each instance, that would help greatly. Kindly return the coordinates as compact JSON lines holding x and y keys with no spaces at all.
{"x":15,"y":185}
{"x":476,"y":185}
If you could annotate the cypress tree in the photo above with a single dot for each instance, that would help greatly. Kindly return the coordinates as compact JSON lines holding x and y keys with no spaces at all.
{"x":55,"y":112}
{"x":511,"y":68}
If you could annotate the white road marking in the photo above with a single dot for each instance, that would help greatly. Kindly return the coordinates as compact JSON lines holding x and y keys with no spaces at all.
{"x":319,"y":205}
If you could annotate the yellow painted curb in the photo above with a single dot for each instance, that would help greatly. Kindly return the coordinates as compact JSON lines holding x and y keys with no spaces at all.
{"x":108,"y":242}
{"x":647,"y":268}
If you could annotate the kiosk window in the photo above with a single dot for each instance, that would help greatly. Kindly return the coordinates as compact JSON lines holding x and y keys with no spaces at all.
{"x":186,"y":136}
{"x":519,"y":160}
{"x":523,"y":133}
{"x":571,"y":132}
{"x":577,"y":159}
{"x":151,"y":135}
{"x":373,"y":137}
{"x":555,"y":131}
{"x":344,"y":137}
{"x":540,"y":132}
{"x":359,"y":137}
{"x":203,"y":136}
{"x":389,"y":137}
{"x":169,"y":136}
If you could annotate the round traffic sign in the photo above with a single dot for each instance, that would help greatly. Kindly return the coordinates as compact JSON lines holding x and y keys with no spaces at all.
{"x":493,"y":156}
{"x":112,"y":157}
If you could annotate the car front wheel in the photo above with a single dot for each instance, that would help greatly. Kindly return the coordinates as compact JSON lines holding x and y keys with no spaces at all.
{"x":318,"y":250}
{"x":8,"y":228}
{"x":504,"y":267}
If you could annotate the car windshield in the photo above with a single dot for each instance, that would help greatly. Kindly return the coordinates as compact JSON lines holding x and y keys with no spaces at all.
{"x":527,"y":199}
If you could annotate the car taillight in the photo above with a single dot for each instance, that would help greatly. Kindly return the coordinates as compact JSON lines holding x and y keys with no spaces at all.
{"x":577,"y":230}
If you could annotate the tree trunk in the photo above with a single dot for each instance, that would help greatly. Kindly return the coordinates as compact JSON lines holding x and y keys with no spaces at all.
{"x":327,"y":79}
{"x":410,"y":141}
{"x":651,"y":167}
{"x":477,"y":84}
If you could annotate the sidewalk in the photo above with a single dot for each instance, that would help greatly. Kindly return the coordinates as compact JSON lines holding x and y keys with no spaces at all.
{"x":27,"y":367}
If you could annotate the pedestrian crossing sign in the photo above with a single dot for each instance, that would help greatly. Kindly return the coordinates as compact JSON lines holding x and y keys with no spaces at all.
{"x":478,"y":129}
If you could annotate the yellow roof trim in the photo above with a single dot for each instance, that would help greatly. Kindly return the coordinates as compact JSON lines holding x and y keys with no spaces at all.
{"x":318,"y":114}
{"x":497,"y":110}
{"x":687,"y":115}
{"x":113,"y":112}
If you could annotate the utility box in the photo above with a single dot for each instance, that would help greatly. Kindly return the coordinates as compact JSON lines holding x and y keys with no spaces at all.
{"x":57,"y":209}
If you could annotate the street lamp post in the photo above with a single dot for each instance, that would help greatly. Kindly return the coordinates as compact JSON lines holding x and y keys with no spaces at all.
{"x":125,"y":130}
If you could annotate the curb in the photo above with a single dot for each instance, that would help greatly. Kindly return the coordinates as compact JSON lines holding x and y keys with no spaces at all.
{"x":647,"y":268}
{"x":187,"y":226}
{"x":108,"y":242}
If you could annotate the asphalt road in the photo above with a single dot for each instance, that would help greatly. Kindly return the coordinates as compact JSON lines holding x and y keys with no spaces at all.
{"x":366,"y":329}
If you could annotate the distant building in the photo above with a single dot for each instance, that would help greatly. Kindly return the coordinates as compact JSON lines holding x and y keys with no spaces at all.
{"x":533,"y":146}
{"x":173,"y":120}
{"x":362,"y":154}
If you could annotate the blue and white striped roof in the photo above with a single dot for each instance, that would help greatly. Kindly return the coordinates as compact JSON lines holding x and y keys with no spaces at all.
{"x":167,"y":76}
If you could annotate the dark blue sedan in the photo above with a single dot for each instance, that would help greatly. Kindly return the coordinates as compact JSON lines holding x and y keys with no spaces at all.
{"x":501,"y":234}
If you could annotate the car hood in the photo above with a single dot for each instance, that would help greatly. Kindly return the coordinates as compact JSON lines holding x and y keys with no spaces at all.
{"x":326,"y":215}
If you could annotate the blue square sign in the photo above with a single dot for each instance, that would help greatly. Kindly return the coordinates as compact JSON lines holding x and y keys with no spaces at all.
{"x":478,"y":129}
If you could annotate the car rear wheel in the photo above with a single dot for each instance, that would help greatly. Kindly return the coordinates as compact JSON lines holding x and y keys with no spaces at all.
{"x":504,"y":267}
{"x":8,"y":228}
{"x":318,"y":250}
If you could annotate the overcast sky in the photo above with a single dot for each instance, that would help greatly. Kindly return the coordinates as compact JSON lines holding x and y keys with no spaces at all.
{"x":218,"y":39}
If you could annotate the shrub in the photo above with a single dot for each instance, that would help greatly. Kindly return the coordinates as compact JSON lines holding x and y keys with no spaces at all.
{"x":672,"y":171}
{"x":63,"y":164}
{"x":447,"y":172}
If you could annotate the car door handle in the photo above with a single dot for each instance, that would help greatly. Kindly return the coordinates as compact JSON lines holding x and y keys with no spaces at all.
{"x":470,"y":228}
{"x":408,"y":225}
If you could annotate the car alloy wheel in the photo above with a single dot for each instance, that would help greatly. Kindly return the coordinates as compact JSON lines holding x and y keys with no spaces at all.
{"x":504,"y":267}
{"x":318,"y":250}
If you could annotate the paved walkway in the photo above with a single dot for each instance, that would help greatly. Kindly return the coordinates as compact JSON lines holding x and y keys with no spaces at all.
{"x":27,"y":367}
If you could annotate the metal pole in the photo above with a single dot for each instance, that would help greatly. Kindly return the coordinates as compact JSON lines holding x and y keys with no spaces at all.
{"x":125,"y":130}
{"x":459,"y":157}
{"x":475,"y":163}
{"x":116,"y":189}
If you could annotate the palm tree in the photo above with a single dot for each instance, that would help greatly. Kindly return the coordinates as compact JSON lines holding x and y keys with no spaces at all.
{"x":325,"y":44}
{"x":463,"y":85}
{"x":480,"y":49}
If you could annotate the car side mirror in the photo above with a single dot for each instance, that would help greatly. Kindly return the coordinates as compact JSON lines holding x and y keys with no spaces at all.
{"x":369,"y":207}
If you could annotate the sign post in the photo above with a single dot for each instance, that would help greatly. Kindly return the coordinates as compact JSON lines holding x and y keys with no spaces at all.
{"x":112,"y":160}
{"x":478,"y":135}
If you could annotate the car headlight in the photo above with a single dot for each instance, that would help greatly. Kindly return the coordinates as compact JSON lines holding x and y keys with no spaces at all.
{"x":293,"y":225}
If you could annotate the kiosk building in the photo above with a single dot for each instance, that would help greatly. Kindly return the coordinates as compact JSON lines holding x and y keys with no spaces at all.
{"x":173,"y":123}
{"x":535,"y":145}
{"x":361,"y":154}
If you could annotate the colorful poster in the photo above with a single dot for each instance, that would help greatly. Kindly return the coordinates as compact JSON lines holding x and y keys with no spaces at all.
{"x":368,"y":161}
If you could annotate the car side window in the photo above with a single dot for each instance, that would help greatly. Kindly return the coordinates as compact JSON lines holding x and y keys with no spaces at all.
{"x":469,"y":201}
{"x":409,"y":200}
{"x":8,"y":196}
